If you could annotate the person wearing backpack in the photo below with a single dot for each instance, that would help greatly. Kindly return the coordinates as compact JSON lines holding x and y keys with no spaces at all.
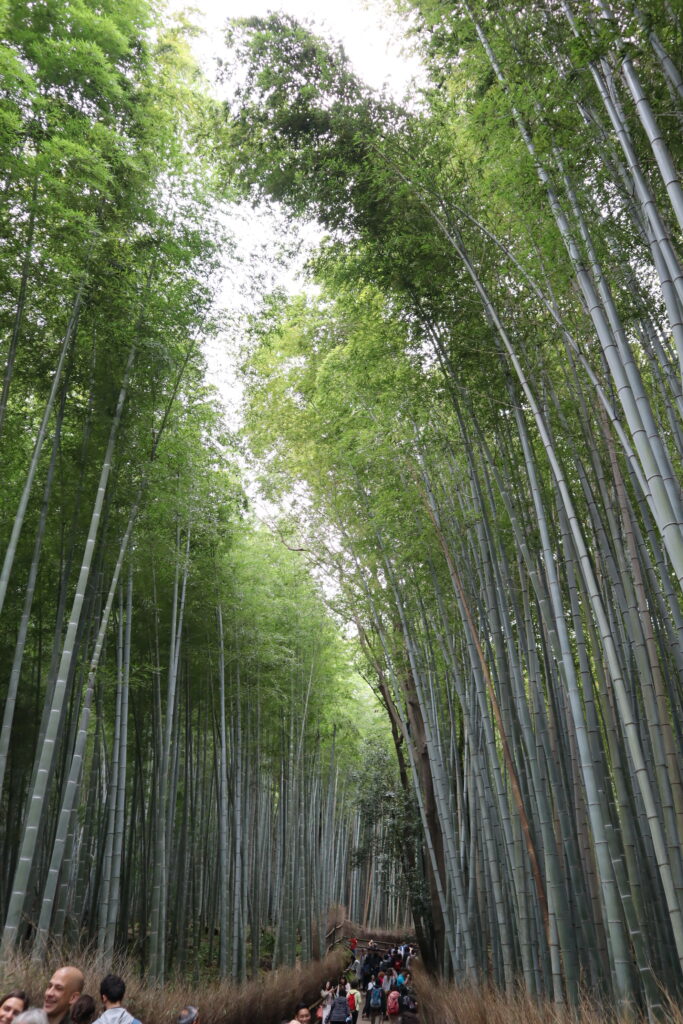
{"x":353,"y":998}
{"x":393,"y":1004}
{"x":339,"y":1011}
{"x":408,"y":1006}
{"x":377,"y":1002}
{"x":368,"y":989}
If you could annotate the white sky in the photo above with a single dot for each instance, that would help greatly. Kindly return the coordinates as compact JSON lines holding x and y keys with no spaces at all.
{"x":371,"y":33}
{"x":374,"y":40}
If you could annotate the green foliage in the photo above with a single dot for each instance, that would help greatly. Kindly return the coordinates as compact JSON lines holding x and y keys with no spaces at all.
{"x":456,"y":418}
{"x":391,"y":830}
{"x":112,"y":223}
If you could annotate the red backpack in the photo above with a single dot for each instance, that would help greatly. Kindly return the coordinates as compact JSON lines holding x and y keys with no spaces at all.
{"x":351,"y":1000}
{"x":393,"y":1007}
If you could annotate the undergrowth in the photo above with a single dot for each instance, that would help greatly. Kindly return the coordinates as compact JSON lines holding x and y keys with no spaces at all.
{"x":268,"y":999}
{"x":442,"y":1003}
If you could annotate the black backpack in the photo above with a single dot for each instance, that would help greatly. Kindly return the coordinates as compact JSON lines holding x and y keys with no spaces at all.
{"x":408,"y":1002}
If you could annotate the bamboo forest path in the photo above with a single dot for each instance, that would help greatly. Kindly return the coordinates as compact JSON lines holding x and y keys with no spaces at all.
{"x":343,"y":938}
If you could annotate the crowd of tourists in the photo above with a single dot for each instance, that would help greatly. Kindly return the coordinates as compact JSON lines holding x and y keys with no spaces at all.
{"x":65,"y":1002}
{"x":376,"y":987}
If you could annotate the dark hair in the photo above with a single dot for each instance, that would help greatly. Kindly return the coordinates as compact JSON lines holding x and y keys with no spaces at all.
{"x":16,"y":993}
{"x":113,"y":987}
{"x":83,"y":1010}
{"x":300,"y":1006}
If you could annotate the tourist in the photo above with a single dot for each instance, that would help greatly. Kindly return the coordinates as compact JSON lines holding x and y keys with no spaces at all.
{"x":64,"y":988}
{"x":376,"y":1001}
{"x":370,"y":964}
{"x":368,"y":989}
{"x":326,"y":997}
{"x":112,"y":991}
{"x":353,"y":998}
{"x":339,"y":1009}
{"x":365,"y":972}
{"x":14,"y":1003}
{"x":188,"y":1015}
{"x":33,"y":1016}
{"x":83,"y":1010}
{"x":302,"y":1015}
{"x":393,"y":1003}
{"x":408,"y":1007}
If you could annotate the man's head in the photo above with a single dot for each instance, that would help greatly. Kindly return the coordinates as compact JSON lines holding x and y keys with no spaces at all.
{"x":112,"y":989}
{"x":188,"y":1015}
{"x":63,"y":989}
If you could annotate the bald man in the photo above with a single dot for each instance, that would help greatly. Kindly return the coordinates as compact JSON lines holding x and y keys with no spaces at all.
{"x":64,"y":988}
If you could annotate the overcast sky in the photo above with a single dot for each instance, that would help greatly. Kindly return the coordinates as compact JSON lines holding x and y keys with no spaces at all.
{"x":374,"y":42}
{"x":370,"y":33}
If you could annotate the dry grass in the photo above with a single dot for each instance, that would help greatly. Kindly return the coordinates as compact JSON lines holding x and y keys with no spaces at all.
{"x":382,"y":938}
{"x":272,"y":997}
{"x":343,"y":926}
{"x":451,"y":1004}
{"x":269,"y":999}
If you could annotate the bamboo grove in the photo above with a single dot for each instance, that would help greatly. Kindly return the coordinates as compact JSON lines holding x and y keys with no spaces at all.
{"x":177,"y":753}
{"x":477,"y":417}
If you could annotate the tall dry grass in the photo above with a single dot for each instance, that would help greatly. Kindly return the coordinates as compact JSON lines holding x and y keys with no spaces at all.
{"x":442,"y":1003}
{"x":269,"y":999}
